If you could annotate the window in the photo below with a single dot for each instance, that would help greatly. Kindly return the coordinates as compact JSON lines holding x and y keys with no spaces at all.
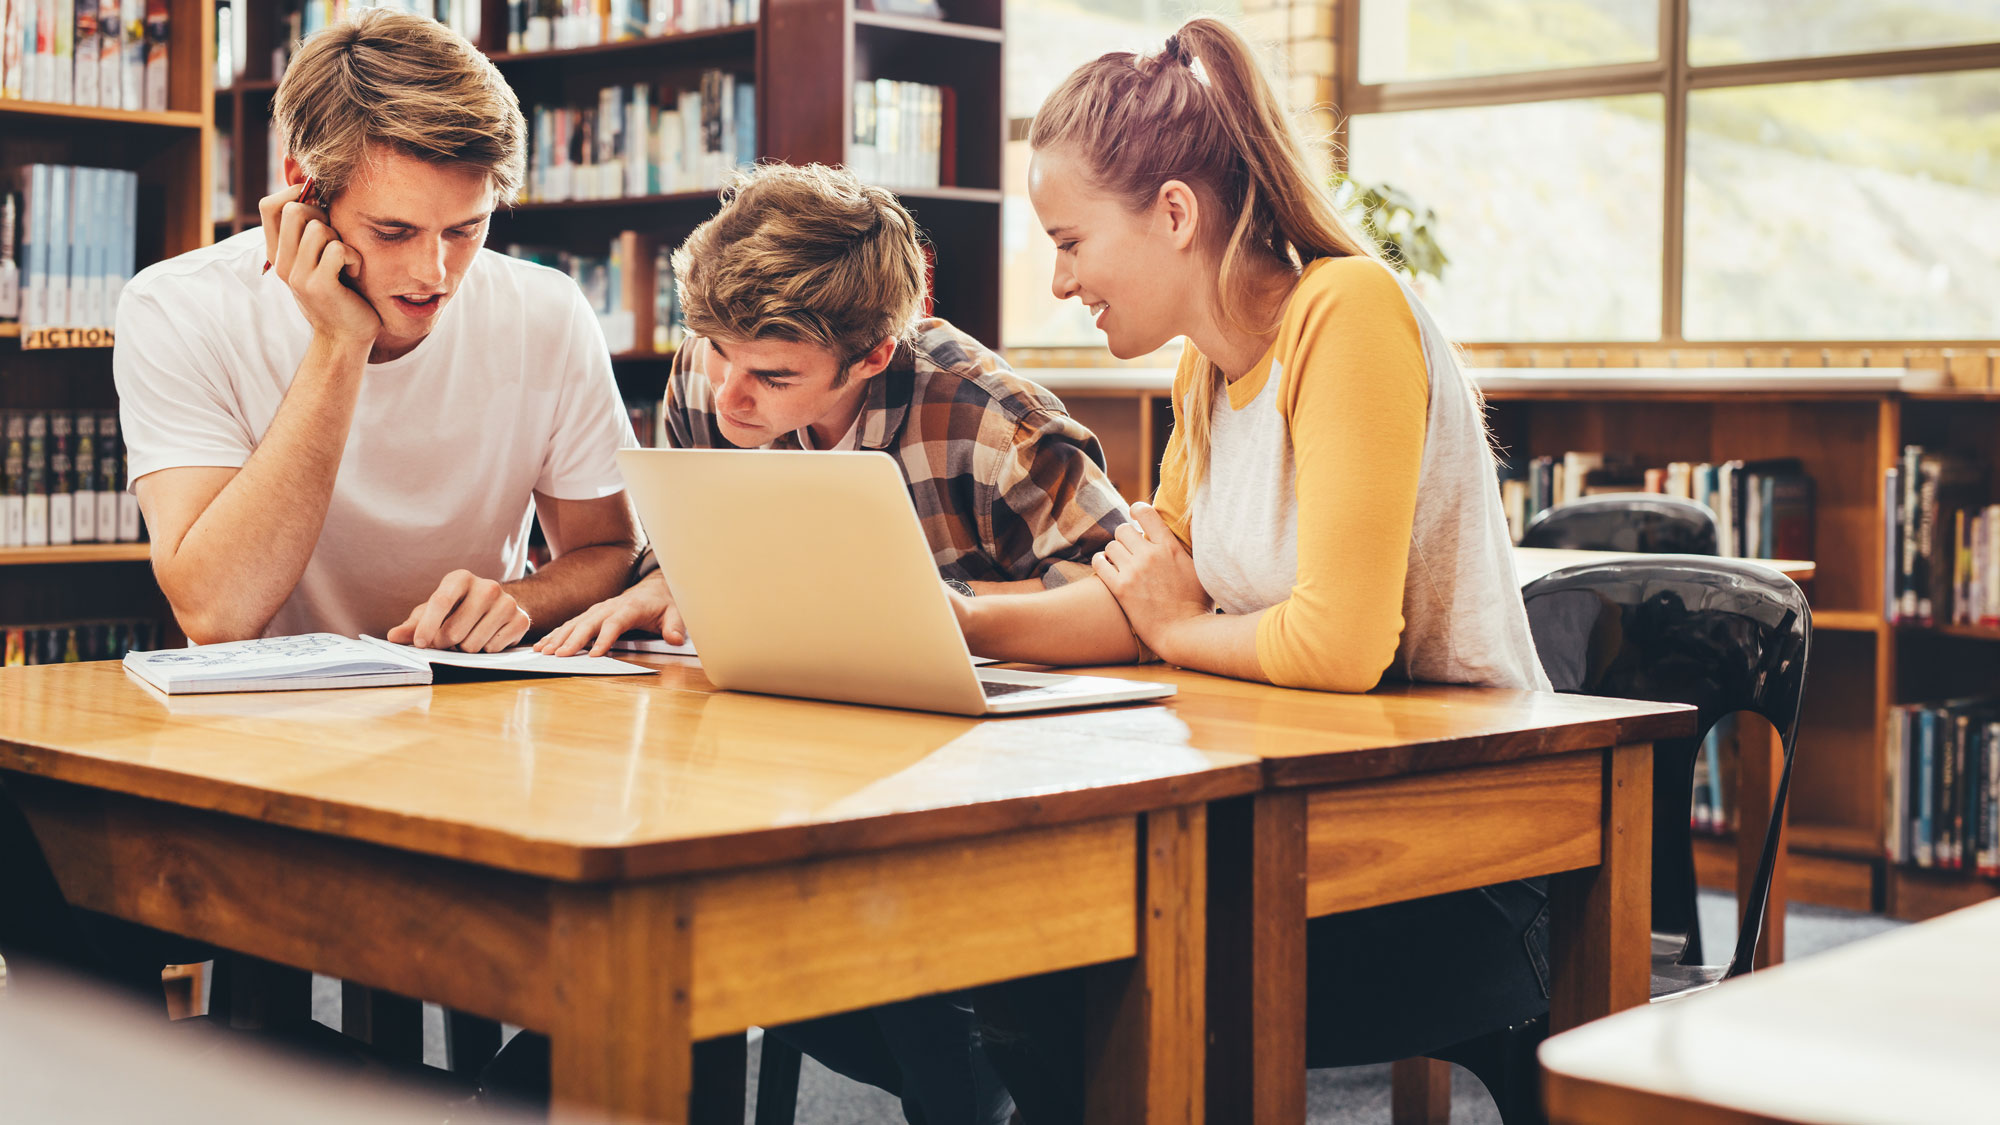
{"x":1691,"y":171}
{"x":1046,"y":40}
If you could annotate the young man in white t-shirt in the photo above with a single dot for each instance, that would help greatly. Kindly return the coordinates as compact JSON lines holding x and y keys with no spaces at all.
{"x":357,"y":436}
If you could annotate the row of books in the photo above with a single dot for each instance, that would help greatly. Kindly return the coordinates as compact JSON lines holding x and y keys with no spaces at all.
{"x":642,"y":140}
{"x":1941,"y":565}
{"x":646,"y":422}
{"x":546,"y":25}
{"x":905,"y":134}
{"x":615,"y":291}
{"x":63,"y":480}
{"x":106,"y":53}
{"x":78,"y":247}
{"x":1763,"y":509}
{"x":70,"y":642}
{"x":296,"y":20}
{"x":1944,"y":790}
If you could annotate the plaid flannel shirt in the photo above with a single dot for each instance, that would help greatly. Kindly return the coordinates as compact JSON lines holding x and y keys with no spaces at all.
{"x":1006,"y":484}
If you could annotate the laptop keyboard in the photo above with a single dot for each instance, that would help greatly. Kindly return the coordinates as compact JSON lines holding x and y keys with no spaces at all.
{"x":992,"y":688}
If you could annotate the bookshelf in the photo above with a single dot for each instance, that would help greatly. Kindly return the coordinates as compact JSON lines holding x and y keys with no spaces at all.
{"x":169,"y":150}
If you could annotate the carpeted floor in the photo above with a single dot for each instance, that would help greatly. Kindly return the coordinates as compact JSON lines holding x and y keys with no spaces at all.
{"x":1334,"y":1097}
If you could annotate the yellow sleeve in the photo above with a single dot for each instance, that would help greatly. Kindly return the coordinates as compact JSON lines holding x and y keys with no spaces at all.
{"x":1170,"y":497}
{"x":1355,"y":395}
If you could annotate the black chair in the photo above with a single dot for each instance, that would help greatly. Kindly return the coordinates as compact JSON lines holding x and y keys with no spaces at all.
{"x":1646,"y":522}
{"x":1722,"y":635}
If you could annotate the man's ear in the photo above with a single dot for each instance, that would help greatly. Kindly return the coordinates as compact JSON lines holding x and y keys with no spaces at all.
{"x":877,"y":359}
{"x":293,"y":173}
{"x":1176,"y":211}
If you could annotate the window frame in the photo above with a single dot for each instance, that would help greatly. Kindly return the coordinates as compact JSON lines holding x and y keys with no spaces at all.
{"x":1670,"y":76}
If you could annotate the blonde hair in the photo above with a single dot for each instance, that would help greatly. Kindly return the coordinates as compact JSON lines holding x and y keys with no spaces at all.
{"x":806,"y":254}
{"x":405,"y":81}
{"x":1200,"y":111}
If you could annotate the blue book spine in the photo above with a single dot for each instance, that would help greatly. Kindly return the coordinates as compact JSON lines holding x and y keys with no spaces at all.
{"x":746,"y":123}
{"x":1926,"y":786}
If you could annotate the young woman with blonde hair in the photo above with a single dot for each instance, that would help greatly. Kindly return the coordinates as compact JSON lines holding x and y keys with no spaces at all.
{"x":1328,"y":487}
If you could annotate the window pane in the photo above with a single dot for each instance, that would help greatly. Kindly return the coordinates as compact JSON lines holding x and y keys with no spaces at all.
{"x":1030,"y":315}
{"x":1046,"y":39}
{"x":1732,"y":31}
{"x":1549,"y":213}
{"x":1409,"y":40}
{"x":1854,"y":209}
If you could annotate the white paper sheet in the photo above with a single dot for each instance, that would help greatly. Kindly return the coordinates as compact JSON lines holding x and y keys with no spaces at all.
{"x":522,"y":659}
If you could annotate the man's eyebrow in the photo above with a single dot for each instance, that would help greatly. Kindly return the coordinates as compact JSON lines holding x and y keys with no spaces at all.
{"x":400,"y":224}
{"x":761,"y":372}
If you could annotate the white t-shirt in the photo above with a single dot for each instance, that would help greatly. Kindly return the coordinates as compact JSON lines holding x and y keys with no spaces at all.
{"x":511,"y":394}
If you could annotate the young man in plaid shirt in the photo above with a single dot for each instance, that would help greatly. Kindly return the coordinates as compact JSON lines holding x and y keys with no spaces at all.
{"x":801,"y":296}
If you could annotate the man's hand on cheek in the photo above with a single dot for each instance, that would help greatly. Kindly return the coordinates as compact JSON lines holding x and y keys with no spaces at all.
{"x":468,"y":613}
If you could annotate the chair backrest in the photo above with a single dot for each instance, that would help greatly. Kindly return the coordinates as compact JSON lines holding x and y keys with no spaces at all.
{"x":1647,"y":522}
{"x":1722,"y":635}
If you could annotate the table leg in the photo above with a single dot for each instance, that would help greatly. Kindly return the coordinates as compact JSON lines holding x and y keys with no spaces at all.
{"x":1257,"y":959}
{"x":1761,"y":761}
{"x":1601,"y":937}
{"x":619,"y":1044}
{"x":1420,"y":1092}
{"x":1146,"y":1020}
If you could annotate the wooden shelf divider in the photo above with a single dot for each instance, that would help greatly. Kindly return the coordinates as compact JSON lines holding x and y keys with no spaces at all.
{"x":76,"y":553}
{"x":1848,"y":620}
{"x":56,"y":111}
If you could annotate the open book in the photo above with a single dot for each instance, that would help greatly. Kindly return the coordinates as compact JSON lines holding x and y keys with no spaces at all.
{"x":327,"y":660}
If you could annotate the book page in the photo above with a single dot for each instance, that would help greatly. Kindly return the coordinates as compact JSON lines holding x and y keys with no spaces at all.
{"x":520,"y":659}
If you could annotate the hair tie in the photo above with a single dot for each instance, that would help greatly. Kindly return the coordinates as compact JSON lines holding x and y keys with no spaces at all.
{"x":1178,"y":53}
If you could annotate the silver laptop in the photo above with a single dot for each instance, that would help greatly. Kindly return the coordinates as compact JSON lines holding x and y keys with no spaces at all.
{"x":807,"y":574}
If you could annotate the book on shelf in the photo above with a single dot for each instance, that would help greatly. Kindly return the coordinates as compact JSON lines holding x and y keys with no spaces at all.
{"x":222,"y":177}
{"x":63,"y":480}
{"x":81,"y":52}
{"x":642,"y":140}
{"x":10,"y":48}
{"x":1763,"y":509}
{"x":645,"y":416}
{"x":630,"y":288}
{"x":1943,"y":799}
{"x":916,"y":9}
{"x":547,"y":25}
{"x":10,"y":269}
{"x":70,"y":641}
{"x":462,"y":16}
{"x":79,"y":251}
{"x":1945,"y":536}
{"x":904,"y":134}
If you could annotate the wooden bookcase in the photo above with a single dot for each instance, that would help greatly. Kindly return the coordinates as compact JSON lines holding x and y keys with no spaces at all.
{"x":170,"y":152}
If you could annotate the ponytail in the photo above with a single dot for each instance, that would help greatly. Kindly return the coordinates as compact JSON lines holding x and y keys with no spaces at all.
{"x":1200,"y":111}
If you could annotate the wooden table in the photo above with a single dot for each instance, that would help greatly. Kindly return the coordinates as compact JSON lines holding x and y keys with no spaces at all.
{"x":633,"y":864}
{"x":1899,"y":1027}
{"x":1400,"y":794}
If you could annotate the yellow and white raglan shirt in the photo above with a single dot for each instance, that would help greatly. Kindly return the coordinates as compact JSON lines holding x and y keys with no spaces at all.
{"x":1351,"y":496}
